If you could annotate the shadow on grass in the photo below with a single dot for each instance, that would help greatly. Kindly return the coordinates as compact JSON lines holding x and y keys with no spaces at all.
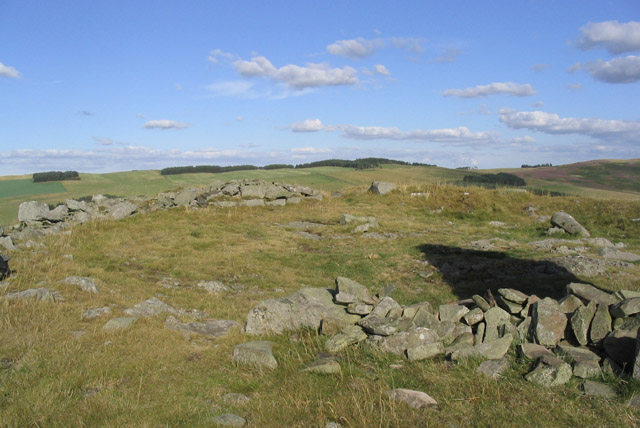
{"x":470,"y":272}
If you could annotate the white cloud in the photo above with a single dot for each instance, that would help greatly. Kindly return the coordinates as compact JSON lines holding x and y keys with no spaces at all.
{"x":523,"y":140}
{"x":614,"y":36}
{"x":103,"y":141}
{"x":446,"y":135}
{"x":356,"y":48}
{"x":308,"y":125}
{"x":10,"y":72}
{"x":297,"y":77}
{"x":217,"y":53}
{"x":165,"y":124}
{"x":381,"y":69}
{"x":311,"y":150}
{"x":450,"y":55}
{"x":617,"y":70}
{"x":551,"y":123}
{"x":508,"y":88}
{"x":412,"y":44}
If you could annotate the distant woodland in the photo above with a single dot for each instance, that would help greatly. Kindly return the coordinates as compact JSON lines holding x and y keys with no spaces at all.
{"x":40,"y":177}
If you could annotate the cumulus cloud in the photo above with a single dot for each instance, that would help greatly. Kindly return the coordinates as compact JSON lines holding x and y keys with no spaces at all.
{"x":165,"y":124}
{"x":446,"y":135}
{"x":617,"y":70}
{"x":450,"y":55}
{"x":311,"y":150}
{"x":356,"y":48}
{"x":10,"y":72}
{"x":507,"y":88}
{"x":411,"y":44}
{"x":382,"y":70}
{"x":295,"y":76}
{"x":614,"y":36}
{"x":217,"y":53}
{"x":551,"y":123}
{"x":523,"y":140}
{"x":308,"y":125}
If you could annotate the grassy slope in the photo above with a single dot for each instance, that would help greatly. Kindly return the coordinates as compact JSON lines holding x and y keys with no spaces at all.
{"x":149,"y":376}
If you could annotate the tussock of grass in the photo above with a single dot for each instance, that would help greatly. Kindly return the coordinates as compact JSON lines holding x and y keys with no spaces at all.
{"x":149,"y":376}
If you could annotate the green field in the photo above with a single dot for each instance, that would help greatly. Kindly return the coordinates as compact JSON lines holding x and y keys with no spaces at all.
{"x":596,"y":179}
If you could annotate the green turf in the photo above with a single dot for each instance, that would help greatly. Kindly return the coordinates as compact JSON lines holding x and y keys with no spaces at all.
{"x":26,"y":187}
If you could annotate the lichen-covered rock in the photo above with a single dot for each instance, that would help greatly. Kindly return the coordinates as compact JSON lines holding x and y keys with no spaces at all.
{"x":550,"y":372}
{"x":323,"y":365}
{"x":513,"y":295}
{"x":414,"y":399}
{"x":548,"y":322}
{"x":350,"y":291}
{"x":42,"y":294}
{"x":149,"y":308}
{"x":612,"y":253}
{"x":588,"y":292}
{"x":213,"y":328}
{"x":600,"y":325}
{"x":122,"y":210}
{"x":425,"y":352}
{"x":119,"y":323}
{"x":304,"y":308}
{"x":452,"y":312}
{"x":382,"y":187}
{"x":625,"y":308}
{"x":494,"y":319}
{"x":568,"y":223}
{"x":581,"y":320}
{"x":494,"y":368}
{"x":348,"y":336}
{"x":400,"y":342}
{"x":32,"y":211}
{"x":84,"y":283}
{"x":258,"y":354}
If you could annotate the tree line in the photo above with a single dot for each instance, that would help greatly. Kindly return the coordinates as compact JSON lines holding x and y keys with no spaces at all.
{"x":364,"y":163}
{"x":540,"y":165}
{"x":499,"y":179}
{"x":40,"y":177}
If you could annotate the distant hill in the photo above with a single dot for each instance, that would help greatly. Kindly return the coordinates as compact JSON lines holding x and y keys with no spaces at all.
{"x":620,"y":176}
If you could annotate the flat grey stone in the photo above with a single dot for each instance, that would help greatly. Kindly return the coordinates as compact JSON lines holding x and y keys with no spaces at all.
{"x":610,"y":253}
{"x":323,"y":366}
{"x":425,"y":352}
{"x":213,"y":286}
{"x":185,"y":197}
{"x":359,"y":308}
{"x":414,"y":399}
{"x":494,"y":368}
{"x":350,"y":335}
{"x":122,"y":210}
{"x":550,"y":372}
{"x":304,"y":308}
{"x":600,"y":325}
{"x":119,"y":323}
{"x":597,"y":389}
{"x":96,"y":312}
{"x":452,"y":312}
{"x":481,"y":302}
{"x":387,"y":307}
{"x":252,"y":203}
{"x":149,"y":308}
{"x":32,"y":211}
{"x":255,"y":353}
{"x":229,"y":420}
{"x":570,"y":303}
{"x":474,"y":316}
{"x":253,"y":191}
{"x":381,"y":187}
{"x":581,"y":320}
{"x":625,"y":308}
{"x":235,"y":398}
{"x":385,"y":326}
{"x":533,"y":351}
{"x":84,"y":283}
{"x":548,"y":322}
{"x":213,"y":328}
{"x":494,"y":319}
{"x":350,"y":291}
{"x":586,"y":364}
{"x":42,"y":294}
{"x":513,"y":295}
{"x":400,"y":342}
{"x":493,"y":350}
{"x":589,"y":292}
{"x":509,"y":306}
{"x":569,"y":224}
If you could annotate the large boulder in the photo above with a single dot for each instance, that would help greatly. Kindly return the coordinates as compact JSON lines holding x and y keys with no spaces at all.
{"x":122,"y":210}
{"x":33,"y":211}
{"x":304,"y":308}
{"x":549,"y":322}
{"x":381,"y":187}
{"x":569,"y":224}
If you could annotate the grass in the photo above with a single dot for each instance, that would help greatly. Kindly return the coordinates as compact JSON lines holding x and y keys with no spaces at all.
{"x":149,"y":376}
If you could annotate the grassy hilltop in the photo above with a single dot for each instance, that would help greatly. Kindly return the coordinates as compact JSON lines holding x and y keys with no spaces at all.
{"x":60,"y":369}
{"x":598,"y":179}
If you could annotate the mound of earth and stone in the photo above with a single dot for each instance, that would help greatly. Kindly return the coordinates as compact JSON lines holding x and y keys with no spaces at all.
{"x":584,"y":334}
{"x":37,"y":219}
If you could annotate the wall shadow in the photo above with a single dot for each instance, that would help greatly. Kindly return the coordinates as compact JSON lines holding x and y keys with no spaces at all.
{"x":470,"y":272}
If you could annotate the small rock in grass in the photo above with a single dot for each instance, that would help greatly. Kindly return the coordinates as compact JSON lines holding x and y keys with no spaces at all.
{"x":85,"y":284}
{"x":229,"y":420}
{"x":494,"y":368}
{"x":597,"y":389}
{"x":119,"y":323}
{"x":257,"y":353}
{"x":415,"y":399}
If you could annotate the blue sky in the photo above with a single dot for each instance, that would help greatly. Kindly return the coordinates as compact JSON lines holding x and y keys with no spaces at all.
{"x":105,"y":86}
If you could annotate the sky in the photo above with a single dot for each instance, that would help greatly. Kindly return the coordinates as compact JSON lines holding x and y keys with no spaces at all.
{"x":103,"y":86}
